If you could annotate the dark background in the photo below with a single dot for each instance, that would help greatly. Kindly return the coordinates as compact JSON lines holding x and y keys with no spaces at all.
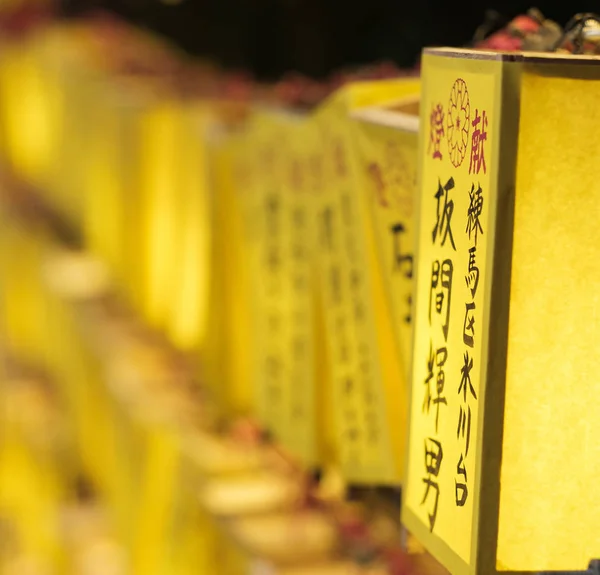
{"x":316,"y":37}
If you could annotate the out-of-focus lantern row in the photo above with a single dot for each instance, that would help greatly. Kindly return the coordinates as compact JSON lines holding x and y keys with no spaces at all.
{"x":236,"y":305}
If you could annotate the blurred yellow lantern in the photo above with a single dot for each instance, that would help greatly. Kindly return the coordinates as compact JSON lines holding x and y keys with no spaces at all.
{"x":386,"y":138}
{"x":368,"y":410}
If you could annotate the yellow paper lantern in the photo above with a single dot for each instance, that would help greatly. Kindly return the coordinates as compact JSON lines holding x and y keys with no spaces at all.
{"x":386,"y":139}
{"x":363,"y":362}
{"x":501,"y":466}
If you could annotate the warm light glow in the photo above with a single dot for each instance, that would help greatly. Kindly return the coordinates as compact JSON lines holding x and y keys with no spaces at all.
{"x":187,"y":319}
{"x":551,"y":448}
{"x":160,"y":170}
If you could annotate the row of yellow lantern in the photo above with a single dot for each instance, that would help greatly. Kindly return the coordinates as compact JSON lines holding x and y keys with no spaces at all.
{"x":299,"y":254}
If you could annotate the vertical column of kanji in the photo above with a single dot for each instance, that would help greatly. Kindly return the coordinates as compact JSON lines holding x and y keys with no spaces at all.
{"x":273,"y":368}
{"x":466,"y":390}
{"x":394,"y":179}
{"x":373,"y":463}
{"x":440,"y":298}
{"x":397,"y":227}
{"x":297,"y":222}
{"x":438,"y":311}
{"x":347,"y":415}
{"x":374,"y":459}
{"x":301,"y":426}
